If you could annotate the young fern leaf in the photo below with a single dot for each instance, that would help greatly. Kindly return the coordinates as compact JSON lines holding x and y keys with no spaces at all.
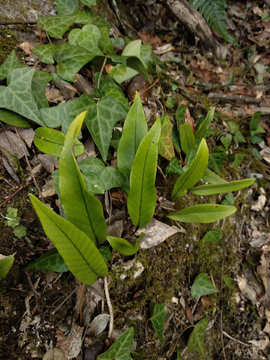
{"x":135,"y":128}
{"x":215,"y":14}
{"x":193,"y":174}
{"x":78,"y":251}
{"x":81,"y":208}
{"x":141,"y":200}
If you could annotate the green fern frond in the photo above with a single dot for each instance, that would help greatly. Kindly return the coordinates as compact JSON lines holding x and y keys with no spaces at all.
{"x":214,"y":12}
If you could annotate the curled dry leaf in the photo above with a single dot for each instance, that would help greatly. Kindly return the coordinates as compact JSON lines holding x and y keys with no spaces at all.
{"x":54,"y":354}
{"x":263,"y":271}
{"x":155,"y":233}
{"x":141,"y":85}
{"x":188,"y":118}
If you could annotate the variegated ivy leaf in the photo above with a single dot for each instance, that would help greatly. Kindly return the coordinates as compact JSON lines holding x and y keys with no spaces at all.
{"x":18,"y":97}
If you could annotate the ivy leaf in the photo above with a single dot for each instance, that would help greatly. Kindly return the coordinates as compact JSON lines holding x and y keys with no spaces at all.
{"x":100,"y":121}
{"x":233,"y":127}
{"x":10,"y":63}
{"x":212,"y":178}
{"x":238,"y":159}
{"x":212,"y":236}
{"x":165,"y":145}
{"x":196,"y":339}
{"x":67,"y":7}
{"x":226,"y":140}
{"x":174,"y":168}
{"x":120,"y":350}
{"x":59,"y":115}
{"x":158,"y":315}
{"x":229,"y":200}
{"x":71,"y":59}
{"x":117,"y":93}
{"x":105,"y":43}
{"x":238,"y":137}
{"x":256,"y":139}
{"x":5,"y":265}
{"x":51,"y":142}
{"x":216,"y":160}
{"x":202,"y":286}
{"x":110,"y":176}
{"x":93,"y":183}
{"x":12,"y":214}
{"x":56,"y":26}
{"x":46,"y":53}
{"x":134,"y":130}
{"x":254,"y":126}
{"x":51,"y":261}
{"x":39,"y":81}
{"x":89,"y":2}
{"x":255,"y":153}
{"x":17,"y":96}
{"x":20,"y":231}
{"x":228,"y":282}
{"x":95,"y":19}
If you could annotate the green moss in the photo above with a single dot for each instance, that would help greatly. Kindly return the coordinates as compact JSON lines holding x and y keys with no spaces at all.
{"x":8,"y":42}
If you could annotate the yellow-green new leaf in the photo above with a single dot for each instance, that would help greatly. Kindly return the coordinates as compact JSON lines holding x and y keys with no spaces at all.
{"x":193,"y":174}
{"x":124,"y":246}
{"x":78,"y":251}
{"x":81,"y":208}
{"x":134,"y":130}
{"x":203,"y":214}
{"x":222,"y":188}
{"x":187,"y":138}
{"x":141,"y":200}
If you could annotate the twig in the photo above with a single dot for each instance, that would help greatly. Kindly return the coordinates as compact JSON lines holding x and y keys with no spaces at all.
{"x":109,"y":306}
{"x":240,"y":342}
{"x":29,"y":167}
{"x":16,"y":22}
{"x":101,"y":71}
{"x":37,"y":294}
{"x":62,"y":303}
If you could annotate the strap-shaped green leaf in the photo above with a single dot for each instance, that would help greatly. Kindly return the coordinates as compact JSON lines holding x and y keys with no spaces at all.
{"x":78,"y":251}
{"x":200,"y":133}
{"x":187,"y":138}
{"x":81,"y":208}
{"x":134,"y":130}
{"x":203,"y":214}
{"x":141,"y":200}
{"x":193,"y":174}
{"x":123,"y":246}
{"x":222,"y":188}
{"x":5,"y":265}
{"x":51,"y":142}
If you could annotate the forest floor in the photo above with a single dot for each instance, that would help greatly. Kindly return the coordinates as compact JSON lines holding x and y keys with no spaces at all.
{"x":38,"y":308}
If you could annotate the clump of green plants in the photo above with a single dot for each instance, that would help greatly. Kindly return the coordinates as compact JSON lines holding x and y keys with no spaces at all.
{"x":82,"y":245}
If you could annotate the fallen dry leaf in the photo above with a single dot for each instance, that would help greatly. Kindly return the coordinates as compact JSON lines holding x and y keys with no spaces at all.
{"x":155,"y":233}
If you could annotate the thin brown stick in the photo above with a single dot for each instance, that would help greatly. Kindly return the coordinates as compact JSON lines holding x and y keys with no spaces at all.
{"x":29,"y":167}
{"x":101,"y":71}
{"x":16,"y":22}
{"x":109,"y":306}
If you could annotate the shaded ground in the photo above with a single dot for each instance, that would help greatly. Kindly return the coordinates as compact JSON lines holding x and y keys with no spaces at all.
{"x":31,"y":320}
